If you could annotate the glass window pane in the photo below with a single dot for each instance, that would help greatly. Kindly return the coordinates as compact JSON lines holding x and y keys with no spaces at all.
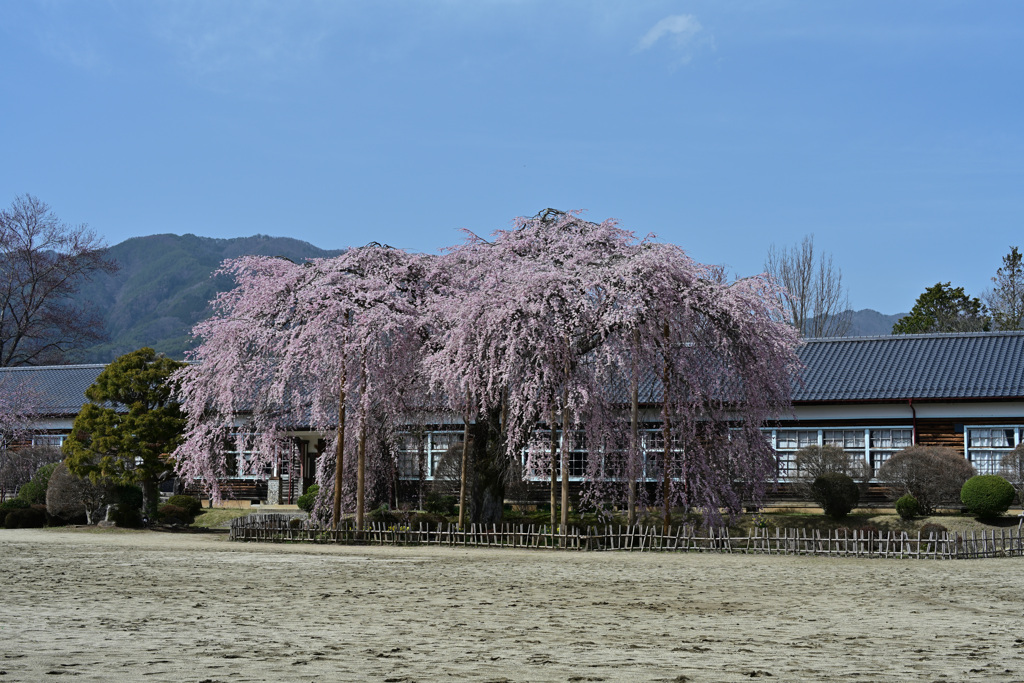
{"x":808,"y":439}
{"x":785,"y":439}
{"x":881,"y":438}
{"x":787,"y":464}
{"x":987,"y":462}
{"x":902,"y":438}
{"x":980,"y":438}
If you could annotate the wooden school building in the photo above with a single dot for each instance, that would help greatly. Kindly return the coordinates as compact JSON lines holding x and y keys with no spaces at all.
{"x":872,"y":396}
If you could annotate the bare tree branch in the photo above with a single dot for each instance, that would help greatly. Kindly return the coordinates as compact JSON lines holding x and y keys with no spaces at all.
{"x":814,"y":298}
{"x":42,"y":263}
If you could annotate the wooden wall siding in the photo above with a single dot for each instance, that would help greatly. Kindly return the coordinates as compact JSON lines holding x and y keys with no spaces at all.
{"x":939,"y":433}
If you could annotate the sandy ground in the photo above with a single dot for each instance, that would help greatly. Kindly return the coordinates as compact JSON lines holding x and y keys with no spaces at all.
{"x":146,"y":606}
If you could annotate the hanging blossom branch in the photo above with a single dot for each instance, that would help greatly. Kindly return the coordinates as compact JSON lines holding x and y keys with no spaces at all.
{"x":273,"y":356}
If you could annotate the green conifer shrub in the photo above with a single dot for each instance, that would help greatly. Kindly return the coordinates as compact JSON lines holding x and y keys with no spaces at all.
{"x":308,"y":499}
{"x":172,"y":514}
{"x":12,"y":504}
{"x":987,"y":495}
{"x":34,"y":491}
{"x":907,"y":507}
{"x":32,"y":517}
{"x":191,"y":505}
{"x":836,"y":493}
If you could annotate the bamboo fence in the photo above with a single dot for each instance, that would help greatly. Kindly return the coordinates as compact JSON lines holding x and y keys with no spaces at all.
{"x":271,"y":528}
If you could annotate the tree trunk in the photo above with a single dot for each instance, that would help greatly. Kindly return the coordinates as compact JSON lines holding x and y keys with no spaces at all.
{"x":361,"y":449}
{"x":487,"y":470}
{"x":565,"y":460}
{"x":554,"y":468}
{"x":361,"y":476}
{"x":421,"y":464}
{"x":634,"y":451}
{"x":464,"y":472}
{"x":150,"y":497}
{"x":339,"y":453}
{"x":666,"y":432}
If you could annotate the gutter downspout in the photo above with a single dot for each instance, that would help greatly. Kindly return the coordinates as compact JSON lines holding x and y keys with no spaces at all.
{"x":910,"y":402}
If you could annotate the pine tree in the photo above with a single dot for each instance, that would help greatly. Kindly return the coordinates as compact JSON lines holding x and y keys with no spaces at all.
{"x":944,"y":308}
{"x":130,"y":425}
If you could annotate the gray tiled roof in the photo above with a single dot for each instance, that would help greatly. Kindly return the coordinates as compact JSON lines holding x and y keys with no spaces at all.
{"x":59,"y":389}
{"x":981,"y":365}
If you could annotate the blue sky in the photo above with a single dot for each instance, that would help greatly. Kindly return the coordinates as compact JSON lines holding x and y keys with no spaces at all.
{"x":892,"y":131}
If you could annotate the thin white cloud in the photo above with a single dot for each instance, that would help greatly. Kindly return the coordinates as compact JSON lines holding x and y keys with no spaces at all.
{"x":258,"y":39}
{"x":678,"y":29}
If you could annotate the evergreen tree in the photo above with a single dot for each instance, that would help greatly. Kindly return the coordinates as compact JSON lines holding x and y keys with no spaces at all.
{"x":943,"y":308}
{"x":128,"y":447}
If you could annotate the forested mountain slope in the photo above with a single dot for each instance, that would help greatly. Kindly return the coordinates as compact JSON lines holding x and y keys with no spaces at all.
{"x":164,"y":287}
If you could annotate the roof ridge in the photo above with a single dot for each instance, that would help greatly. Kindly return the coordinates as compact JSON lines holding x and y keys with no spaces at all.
{"x":928,"y":335}
{"x":25,"y":368}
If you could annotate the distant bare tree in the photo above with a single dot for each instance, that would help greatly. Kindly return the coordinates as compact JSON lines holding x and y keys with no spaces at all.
{"x":815,"y":299}
{"x":42,"y":263}
{"x":18,"y":465}
{"x":932,"y":474}
{"x":1006,"y":300}
{"x":814,"y":461}
{"x":1012,"y":469}
{"x":70,"y":497}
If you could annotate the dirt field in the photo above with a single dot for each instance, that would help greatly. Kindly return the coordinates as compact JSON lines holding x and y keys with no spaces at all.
{"x":138,"y":606}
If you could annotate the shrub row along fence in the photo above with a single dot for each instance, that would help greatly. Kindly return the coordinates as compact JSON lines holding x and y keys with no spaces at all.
{"x":841,"y":543}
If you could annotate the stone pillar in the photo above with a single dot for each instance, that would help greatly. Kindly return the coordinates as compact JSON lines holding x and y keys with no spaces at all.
{"x":274,"y":491}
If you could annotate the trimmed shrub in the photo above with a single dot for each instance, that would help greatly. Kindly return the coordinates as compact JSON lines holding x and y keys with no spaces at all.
{"x":308,"y":499}
{"x":384,"y":514}
{"x":987,"y":495}
{"x":187,"y":503}
{"x":12,"y":504}
{"x":836,"y":493}
{"x":931,"y":474}
{"x":34,"y":491}
{"x":172,"y":514}
{"x":933,"y":528}
{"x":127,"y":500}
{"x":430,"y":518}
{"x":128,"y":495}
{"x":32,"y":517}
{"x":440,"y":504}
{"x":907,"y":507}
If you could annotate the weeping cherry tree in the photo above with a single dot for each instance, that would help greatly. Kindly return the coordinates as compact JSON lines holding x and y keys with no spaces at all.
{"x":329,"y":345}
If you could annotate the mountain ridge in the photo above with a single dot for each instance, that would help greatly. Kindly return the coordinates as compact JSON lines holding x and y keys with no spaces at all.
{"x":166,"y":282}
